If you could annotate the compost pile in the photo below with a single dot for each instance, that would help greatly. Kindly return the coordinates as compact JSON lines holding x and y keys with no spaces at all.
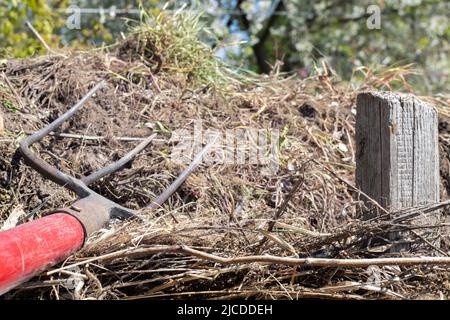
{"x":309,"y":208}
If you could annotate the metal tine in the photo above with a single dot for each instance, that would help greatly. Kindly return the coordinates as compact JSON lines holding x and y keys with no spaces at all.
{"x":39,"y":135}
{"x":43,"y":167}
{"x":61,"y":178}
{"x":181,"y":178}
{"x":113,"y":167}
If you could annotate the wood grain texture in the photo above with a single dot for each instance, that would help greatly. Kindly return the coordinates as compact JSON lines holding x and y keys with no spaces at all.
{"x":397,"y":157}
{"x":2,"y":125}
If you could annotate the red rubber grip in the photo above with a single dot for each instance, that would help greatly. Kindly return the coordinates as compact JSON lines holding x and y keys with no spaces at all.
{"x":31,"y":247}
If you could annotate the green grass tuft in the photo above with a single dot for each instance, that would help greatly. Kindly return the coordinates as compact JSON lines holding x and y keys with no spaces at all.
{"x":173,"y":40}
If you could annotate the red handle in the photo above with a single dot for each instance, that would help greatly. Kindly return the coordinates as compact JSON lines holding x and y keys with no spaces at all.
{"x":31,"y":247}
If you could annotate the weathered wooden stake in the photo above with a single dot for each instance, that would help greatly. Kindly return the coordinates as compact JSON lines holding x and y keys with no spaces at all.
{"x":2,"y":125}
{"x":397,"y":156}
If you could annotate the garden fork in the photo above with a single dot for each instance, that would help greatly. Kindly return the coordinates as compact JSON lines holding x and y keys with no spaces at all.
{"x":32,"y":247}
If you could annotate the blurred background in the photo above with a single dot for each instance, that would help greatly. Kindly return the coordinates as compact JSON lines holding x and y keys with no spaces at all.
{"x":293,"y":36}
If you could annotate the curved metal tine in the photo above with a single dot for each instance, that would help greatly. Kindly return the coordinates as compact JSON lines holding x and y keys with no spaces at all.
{"x":43,"y":167}
{"x":113,"y":167}
{"x":181,"y":178}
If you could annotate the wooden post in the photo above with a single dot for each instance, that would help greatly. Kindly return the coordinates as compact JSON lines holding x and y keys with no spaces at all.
{"x":2,"y":125}
{"x":397,"y":155}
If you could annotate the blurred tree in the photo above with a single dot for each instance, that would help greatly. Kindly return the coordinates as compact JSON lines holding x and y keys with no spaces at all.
{"x":14,"y":37}
{"x":301,"y":32}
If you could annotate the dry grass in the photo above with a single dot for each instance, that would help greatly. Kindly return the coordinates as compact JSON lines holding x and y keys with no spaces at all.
{"x":387,"y":78}
{"x":308,"y":209}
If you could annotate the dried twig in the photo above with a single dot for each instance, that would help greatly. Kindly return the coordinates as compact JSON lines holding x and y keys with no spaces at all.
{"x":266,"y":259}
{"x":29,"y":25}
{"x":11,"y":87}
{"x":86,"y":137}
{"x":283,"y":206}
